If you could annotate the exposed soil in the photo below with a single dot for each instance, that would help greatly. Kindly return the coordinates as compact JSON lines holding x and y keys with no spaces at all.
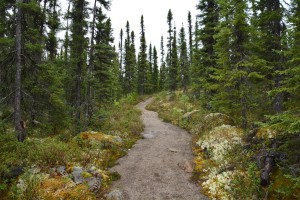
{"x":158,"y":166}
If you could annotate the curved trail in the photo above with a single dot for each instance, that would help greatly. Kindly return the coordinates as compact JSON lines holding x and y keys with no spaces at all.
{"x":157,"y":167}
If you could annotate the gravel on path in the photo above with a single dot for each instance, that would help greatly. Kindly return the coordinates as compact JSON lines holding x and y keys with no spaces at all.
{"x":158,"y":166}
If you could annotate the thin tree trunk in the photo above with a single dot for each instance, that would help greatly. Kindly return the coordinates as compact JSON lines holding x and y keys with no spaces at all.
{"x":20,"y":131}
{"x":121,"y":55}
{"x":78,"y":52}
{"x":88,"y":111}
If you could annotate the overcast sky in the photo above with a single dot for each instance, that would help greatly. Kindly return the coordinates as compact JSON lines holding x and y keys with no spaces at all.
{"x":155,"y":17}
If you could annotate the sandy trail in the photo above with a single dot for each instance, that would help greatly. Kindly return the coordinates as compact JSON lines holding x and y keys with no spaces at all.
{"x":156,"y":167}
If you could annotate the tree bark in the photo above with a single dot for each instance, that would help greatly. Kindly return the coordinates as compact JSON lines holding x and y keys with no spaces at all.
{"x":20,"y":131}
{"x":88,"y":111}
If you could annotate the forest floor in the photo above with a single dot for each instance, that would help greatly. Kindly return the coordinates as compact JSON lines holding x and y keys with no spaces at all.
{"x":160,"y":165}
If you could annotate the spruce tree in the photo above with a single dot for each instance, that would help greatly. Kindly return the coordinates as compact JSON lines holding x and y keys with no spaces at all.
{"x":133,"y":62}
{"x":293,"y":72}
{"x":289,"y":120}
{"x":190,"y":34}
{"x":149,"y":86}
{"x":163,"y":70}
{"x":7,"y":50}
{"x":78,"y":55}
{"x":155,"y":74}
{"x":142,"y":61}
{"x":183,"y":60}
{"x":194,"y":68}
{"x":90,"y":66}
{"x":53,"y":24}
{"x":115,"y":84}
{"x":271,"y":26}
{"x":66,"y":43}
{"x":203,"y":66}
{"x":231,"y":77}
{"x":121,"y":56}
{"x":170,"y":38}
{"x":104,"y":60}
{"x":173,"y":78}
{"x":129,"y":62}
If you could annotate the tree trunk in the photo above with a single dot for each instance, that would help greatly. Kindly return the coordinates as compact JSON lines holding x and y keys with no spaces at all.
{"x":78,"y":94}
{"x":88,"y":111}
{"x":121,"y":56}
{"x":20,"y":130}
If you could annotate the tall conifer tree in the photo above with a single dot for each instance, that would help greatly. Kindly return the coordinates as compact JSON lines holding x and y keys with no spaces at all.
{"x":134,"y":63}
{"x":206,"y":62}
{"x":190,"y":34}
{"x":163,"y":70}
{"x":104,"y":60}
{"x":173,"y":78}
{"x":155,"y":74}
{"x":232,"y":49}
{"x":142,"y":61}
{"x":170,"y":38}
{"x":149,"y":86}
{"x":183,"y":60}
{"x":272,"y":27}
{"x":78,"y":55}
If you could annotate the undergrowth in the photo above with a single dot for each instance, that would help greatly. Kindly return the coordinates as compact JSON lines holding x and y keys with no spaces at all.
{"x":226,"y":163}
{"x":119,"y":125}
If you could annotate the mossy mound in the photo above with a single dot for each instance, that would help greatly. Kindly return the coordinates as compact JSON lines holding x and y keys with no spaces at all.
{"x":216,"y":119}
{"x":64,"y":188}
{"x":99,"y":136}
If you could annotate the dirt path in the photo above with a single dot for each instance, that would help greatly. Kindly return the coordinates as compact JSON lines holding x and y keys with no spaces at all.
{"x":157,"y":167}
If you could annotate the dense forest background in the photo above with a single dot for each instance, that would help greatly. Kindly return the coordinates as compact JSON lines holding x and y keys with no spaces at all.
{"x":238,"y":57}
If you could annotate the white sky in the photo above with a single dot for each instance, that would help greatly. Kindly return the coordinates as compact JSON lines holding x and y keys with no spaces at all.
{"x":155,"y":17}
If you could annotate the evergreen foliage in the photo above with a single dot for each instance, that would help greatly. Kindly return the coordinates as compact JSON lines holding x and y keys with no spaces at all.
{"x":205,"y":60}
{"x":163,"y":69}
{"x":173,"y":69}
{"x":142,"y":61}
{"x":238,"y":57}
{"x":104,"y":60}
{"x":170,"y":37}
{"x":121,"y":55}
{"x":233,"y":65}
{"x":190,"y":34}
{"x":183,"y":60}
{"x":155,"y":74}
{"x":129,"y":62}
{"x":78,"y":55}
{"x":149,"y":73}
{"x":272,"y":28}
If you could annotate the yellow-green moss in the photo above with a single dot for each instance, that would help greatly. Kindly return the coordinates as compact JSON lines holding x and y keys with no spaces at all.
{"x":63,"y":188}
